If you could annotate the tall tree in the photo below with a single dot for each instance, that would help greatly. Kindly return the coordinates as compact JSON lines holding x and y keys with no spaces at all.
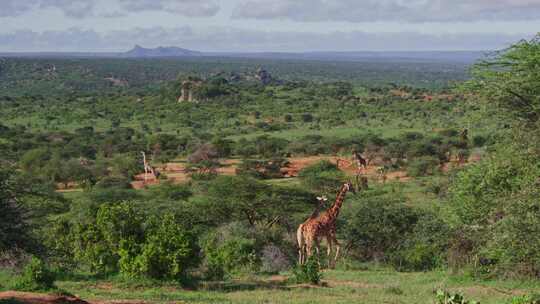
{"x":511,"y":79}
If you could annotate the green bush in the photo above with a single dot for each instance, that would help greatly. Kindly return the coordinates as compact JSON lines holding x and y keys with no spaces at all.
{"x":224,"y":257}
{"x":416,"y":257}
{"x":309,"y":272}
{"x":514,"y":245}
{"x":479,"y":141}
{"x":480,"y":191}
{"x":36,"y":276}
{"x":422,"y":166}
{"x":444,"y":297}
{"x":526,"y":299}
{"x":424,"y":248}
{"x":376,"y":226}
{"x":322,"y":177}
{"x":167,"y":253}
{"x":121,"y":239}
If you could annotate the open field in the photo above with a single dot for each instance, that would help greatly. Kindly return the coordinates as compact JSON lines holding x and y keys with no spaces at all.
{"x":370,"y":284}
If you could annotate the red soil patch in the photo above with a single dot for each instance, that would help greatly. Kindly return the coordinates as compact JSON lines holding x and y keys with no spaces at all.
{"x":398,"y":176}
{"x":176,"y":172}
{"x":36,"y":298}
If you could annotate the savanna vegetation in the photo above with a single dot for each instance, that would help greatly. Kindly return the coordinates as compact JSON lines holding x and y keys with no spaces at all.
{"x":463,"y":219}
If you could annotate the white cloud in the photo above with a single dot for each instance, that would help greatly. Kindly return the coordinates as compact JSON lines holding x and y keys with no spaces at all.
{"x":192,"y":8}
{"x":85,"y":8}
{"x":10,"y":8}
{"x":389,"y":10}
{"x":232,"y":39}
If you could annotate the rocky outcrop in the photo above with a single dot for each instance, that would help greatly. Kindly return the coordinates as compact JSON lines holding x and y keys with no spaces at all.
{"x":263,"y":76}
{"x":188,"y":89}
{"x":117,"y":82}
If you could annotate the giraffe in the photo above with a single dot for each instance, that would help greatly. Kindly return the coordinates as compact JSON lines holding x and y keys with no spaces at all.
{"x":361,"y":162}
{"x":321,"y":200}
{"x":148,"y":168}
{"x":310,"y":232}
{"x":382,"y":173}
{"x":361,"y":165}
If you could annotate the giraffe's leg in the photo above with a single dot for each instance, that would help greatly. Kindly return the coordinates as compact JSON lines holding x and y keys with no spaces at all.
{"x":338,"y":248}
{"x":301,"y":245}
{"x":329,"y":250}
{"x":308,"y":252}
{"x":318,"y":250}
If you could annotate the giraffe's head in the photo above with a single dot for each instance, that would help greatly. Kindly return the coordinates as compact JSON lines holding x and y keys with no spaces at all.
{"x":322,"y":198}
{"x":349,"y":186}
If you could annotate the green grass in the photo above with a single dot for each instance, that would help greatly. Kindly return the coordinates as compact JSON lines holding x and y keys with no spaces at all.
{"x":371,"y":284}
{"x":5,"y":278}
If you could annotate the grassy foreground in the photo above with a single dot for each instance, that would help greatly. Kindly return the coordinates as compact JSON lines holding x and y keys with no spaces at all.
{"x":372,"y":285}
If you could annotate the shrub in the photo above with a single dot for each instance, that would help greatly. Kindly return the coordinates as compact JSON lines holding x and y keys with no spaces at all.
{"x":309,"y":272}
{"x":36,"y":276}
{"x":424,"y":248}
{"x":479,"y":140}
{"x":444,"y":297}
{"x":168,"y":252}
{"x":526,"y":299}
{"x":416,"y":257}
{"x":422,"y":166}
{"x":513,"y":247}
{"x":273,"y":260}
{"x":223,"y":257}
{"x":307,"y":117}
{"x":376,"y":226}
{"x":479,"y":192}
{"x":118,"y":182}
{"x":323,"y":177}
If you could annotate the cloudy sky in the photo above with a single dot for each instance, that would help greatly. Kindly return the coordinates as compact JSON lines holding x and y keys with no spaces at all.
{"x":266,"y":25}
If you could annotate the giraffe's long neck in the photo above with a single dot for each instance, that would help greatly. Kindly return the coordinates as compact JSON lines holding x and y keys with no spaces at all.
{"x":334,"y":210}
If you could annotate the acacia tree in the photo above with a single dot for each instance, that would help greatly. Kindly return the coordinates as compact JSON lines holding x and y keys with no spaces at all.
{"x":511,"y":79}
{"x":14,"y":226}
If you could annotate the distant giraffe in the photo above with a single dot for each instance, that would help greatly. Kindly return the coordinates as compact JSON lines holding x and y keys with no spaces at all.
{"x":382,"y":173}
{"x":464,"y":135}
{"x":148,"y":168}
{"x":361,"y":162}
{"x":310,"y":232}
{"x":361,"y":166}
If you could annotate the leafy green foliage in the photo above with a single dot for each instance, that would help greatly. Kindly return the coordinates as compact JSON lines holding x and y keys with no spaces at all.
{"x":167,"y":253}
{"x":444,"y":297}
{"x":480,"y":191}
{"x":376,"y":225}
{"x":36,"y":276}
{"x":225,"y":257}
{"x":525,"y":299}
{"x":322,"y":177}
{"x":120,"y":238}
{"x":14,"y":227}
{"x":309,"y":272}
{"x":511,"y":80}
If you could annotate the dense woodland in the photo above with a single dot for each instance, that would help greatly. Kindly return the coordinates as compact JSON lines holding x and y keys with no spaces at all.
{"x":468,"y":143}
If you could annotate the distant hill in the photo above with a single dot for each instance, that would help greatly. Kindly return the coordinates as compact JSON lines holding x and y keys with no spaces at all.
{"x":461,"y":57}
{"x":364,"y":56}
{"x":140,"y":52}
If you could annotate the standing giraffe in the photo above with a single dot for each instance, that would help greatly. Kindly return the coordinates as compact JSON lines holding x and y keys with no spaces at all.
{"x":310,"y":232}
{"x":361,"y":165}
{"x":361,"y":162}
{"x":321,"y":200}
{"x":148,"y":168}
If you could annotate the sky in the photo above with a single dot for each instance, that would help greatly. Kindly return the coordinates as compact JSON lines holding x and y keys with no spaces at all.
{"x":266,"y":25}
